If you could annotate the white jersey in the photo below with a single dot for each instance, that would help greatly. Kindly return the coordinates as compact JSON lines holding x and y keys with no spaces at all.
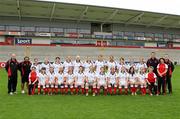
{"x":80,"y":77}
{"x":67,"y":65}
{"x":140,"y":65}
{"x":51,"y":77}
{"x":111,"y":77}
{"x":91,"y":76}
{"x":132,"y":78}
{"x":37,"y":66}
{"x":60,"y":77}
{"x":101,"y":78}
{"x":76,"y":66}
{"x":98,"y":65}
{"x":57,"y":66}
{"x":42,"y":78}
{"x":46,"y":66}
{"x":141,"y":77}
{"x":110,"y":65}
{"x":119,"y":66}
{"x":69,"y":77}
{"x":86,"y":66}
{"x":123,"y":76}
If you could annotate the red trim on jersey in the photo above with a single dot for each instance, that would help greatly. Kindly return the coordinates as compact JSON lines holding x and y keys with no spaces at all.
{"x":162,"y":68}
{"x":151,"y":77}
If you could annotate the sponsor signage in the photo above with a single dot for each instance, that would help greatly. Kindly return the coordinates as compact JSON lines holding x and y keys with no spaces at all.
{"x":23,"y":41}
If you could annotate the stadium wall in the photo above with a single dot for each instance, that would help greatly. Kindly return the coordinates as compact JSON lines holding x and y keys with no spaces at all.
{"x":52,"y":51}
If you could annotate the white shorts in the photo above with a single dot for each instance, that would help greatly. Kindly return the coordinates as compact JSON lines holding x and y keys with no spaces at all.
{"x":70,"y":81}
{"x":90,"y":82}
{"x":112,"y":82}
{"x":51,"y":81}
{"x":79,"y":83}
{"x":123,"y":83}
{"x":132,"y":81}
{"x":60,"y":82}
{"x":41,"y":83}
{"x":142,"y":81}
{"x":102,"y":83}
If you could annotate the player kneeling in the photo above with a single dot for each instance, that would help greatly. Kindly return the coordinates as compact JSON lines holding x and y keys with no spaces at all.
{"x":51,"y":81}
{"x":42,"y":79}
{"x":59,"y":81}
{"x":142,"y":80}
{"x":132,"y":77}
{"x":79,"y":80}
{"x":69,"y":80}
{"x":151,"y":80}
{"x":91,"y":81}
{"x":33,"y":78}
{"x":112,"y":81}
{"x":101,"y":81}
{"x":123,"y":80}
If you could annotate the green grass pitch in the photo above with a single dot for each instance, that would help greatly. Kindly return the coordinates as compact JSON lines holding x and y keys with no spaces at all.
{"x":81,"y":107}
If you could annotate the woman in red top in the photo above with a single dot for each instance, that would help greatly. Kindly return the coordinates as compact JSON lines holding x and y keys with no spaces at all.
{"x":32,"y":80}
{"x":162,"y":70}
{"x":151,"y":80}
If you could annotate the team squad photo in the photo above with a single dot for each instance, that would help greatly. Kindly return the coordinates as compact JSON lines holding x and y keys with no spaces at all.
{"x":89,"y":59}
{"x":94,"y":77}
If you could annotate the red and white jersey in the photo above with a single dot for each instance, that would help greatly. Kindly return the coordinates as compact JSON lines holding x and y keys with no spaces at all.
{"x":110,"y":65}
{"x":141,"y":65}
{"x":51,"y":76}
{"x":132,"y":78}
{"x":67,"y":65}
{"x":46,"y":66}
{"x":80,"y":77}
{"x":76,"y":66}
{"x":42,"y":78}
{"x":37,"y":66}
{"x":141,"y":77}
{"x":162,"y":68}
{"x":91,"y":76}
{"x":86,"y":66}
{"x":69,"y":77}
{"x":56,"y":66}
{"x":60,"y":77}
{"x":112,"y":77}
{"x":98,"y":65}
{"x":101,"y":77}
{"x":151,"y":77}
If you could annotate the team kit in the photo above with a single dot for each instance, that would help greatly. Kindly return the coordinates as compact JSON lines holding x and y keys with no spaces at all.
{"x":94,"y":78}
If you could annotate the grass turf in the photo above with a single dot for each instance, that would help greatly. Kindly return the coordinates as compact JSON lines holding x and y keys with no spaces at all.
{"x":71,"y":107}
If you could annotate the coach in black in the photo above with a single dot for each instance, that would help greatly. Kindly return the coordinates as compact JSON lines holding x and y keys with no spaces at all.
{"x":25,"y":68}
{"x":169,"y":72}
{"x":12,"y":67}
{"x":153,"y":61}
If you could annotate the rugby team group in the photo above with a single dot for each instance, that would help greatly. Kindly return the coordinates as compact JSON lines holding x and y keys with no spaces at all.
{"x":95,"y":77}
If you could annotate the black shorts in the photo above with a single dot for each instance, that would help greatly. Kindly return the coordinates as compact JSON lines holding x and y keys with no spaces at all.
{"x":24,"y":79}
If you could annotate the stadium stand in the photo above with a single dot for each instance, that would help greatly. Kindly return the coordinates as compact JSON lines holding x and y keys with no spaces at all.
{"x":52,"y":29}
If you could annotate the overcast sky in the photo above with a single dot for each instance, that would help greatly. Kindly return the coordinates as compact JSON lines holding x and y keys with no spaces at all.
{"x":161,"y":6}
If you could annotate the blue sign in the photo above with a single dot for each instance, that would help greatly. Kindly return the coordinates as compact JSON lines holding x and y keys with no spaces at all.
{"x":23,"y":41}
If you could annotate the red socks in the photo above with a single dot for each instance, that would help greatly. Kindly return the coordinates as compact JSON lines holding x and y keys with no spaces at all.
{"x":105,"y":91}
{"x":126,"y":91}
{"x":120,"y":90}
{"x":110,"y":90}
{"x":115,"y":88}
{"x":82,"y":90}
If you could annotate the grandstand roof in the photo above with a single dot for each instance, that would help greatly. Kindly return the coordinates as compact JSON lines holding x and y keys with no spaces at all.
{"x":78,"y":12}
